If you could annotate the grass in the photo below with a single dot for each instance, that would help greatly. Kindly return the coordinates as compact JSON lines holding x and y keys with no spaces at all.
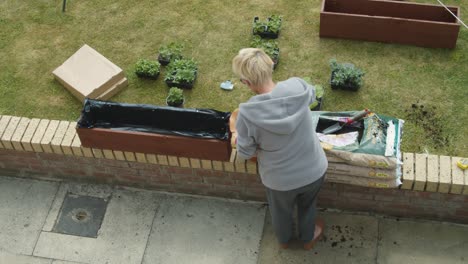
{"x":36,"y":37}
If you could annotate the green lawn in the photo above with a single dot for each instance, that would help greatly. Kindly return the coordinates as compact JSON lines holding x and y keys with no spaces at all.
{"x":36,"y":37}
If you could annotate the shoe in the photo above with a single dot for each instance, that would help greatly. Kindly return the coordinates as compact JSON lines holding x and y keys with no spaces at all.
{"x":319,"y":225}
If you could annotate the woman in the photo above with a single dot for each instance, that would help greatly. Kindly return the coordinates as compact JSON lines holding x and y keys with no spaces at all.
{"x":276,"y":126}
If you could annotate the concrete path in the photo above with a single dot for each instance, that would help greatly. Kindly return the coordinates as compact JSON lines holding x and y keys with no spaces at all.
{"x":140,"y":226}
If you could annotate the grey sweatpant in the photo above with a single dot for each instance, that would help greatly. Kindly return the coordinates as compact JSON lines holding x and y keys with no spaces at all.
{"x":281,"y":204}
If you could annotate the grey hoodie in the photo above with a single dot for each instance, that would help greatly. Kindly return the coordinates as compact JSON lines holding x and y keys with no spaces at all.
{"x":278,"y":128}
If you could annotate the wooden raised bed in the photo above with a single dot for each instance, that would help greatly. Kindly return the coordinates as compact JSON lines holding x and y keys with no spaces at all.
{"x":155,"y":130}
{"x":390,"y":21}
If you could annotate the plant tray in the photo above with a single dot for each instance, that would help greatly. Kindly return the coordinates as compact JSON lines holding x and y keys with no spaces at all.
{"x":390,"y":21}
{"x":183,"y":85}
{"x":192,"y":133}
{"x":265,"y":34}
{"x":342,"y":87}
{"x":163,"y":61}
{"x":148,"y":76}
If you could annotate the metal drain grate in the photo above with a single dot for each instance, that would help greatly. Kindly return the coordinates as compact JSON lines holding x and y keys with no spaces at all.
{"x":81,"y":215}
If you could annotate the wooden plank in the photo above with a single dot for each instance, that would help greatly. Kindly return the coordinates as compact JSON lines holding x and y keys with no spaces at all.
{"x":458,"y":177}
{"x":408,"y":171}
{"x":432,"y":184}
{"x":420,"y":172}
{"x":445,"y":174}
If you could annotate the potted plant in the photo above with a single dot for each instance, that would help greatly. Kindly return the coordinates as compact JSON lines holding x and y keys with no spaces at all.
{"x":269,"y":28}
{"x":170,"y":52}
{"x":175,"y":97}
{"x":345,"y":76}
{"x":269,"y":46}
{"x":181,"y":73}
{"x":147,"y":69}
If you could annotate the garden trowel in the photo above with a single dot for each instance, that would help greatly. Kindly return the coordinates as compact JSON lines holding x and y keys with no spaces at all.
{"x":358,"y":116}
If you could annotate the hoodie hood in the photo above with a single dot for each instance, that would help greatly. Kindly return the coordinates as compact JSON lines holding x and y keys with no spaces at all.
{"x":281,"y":110}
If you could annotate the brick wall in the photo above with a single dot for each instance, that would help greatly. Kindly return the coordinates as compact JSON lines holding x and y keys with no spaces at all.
{"x":433,"y":187}
{"x":229,"y":184}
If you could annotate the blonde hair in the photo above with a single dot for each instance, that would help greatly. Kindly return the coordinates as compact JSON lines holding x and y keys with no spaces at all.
{"x":253,"y":65}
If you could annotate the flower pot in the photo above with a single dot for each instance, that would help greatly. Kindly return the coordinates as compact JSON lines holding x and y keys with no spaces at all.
{"x":152,"y":77}
{"x":192,"y":133}
{"x":346,"y":86}
{"x":265,"y":33}
{"x":390,"y":21}
{"x":163,"y":61}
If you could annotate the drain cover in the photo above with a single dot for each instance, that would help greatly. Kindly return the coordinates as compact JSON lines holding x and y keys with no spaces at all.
{"x":81,"y":215}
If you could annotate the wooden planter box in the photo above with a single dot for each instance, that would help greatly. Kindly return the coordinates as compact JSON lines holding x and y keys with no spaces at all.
{"x":102,"y":128}
{"x":390,"y":21}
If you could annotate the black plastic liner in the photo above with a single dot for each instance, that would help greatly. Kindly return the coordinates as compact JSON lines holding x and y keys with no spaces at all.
{"x":198,"y":123}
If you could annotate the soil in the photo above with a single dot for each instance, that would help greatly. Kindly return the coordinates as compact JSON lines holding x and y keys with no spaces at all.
{"x":426,"y":117}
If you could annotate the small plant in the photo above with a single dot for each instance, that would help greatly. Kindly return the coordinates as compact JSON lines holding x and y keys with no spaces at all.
{"x":345,"y":76}
{"x":170,"y":52}
{"x":270,"y":47}
{"x":181,"y":73}
{"x":175,"y":97}
{"x":147,"y":69}
{"x":269,"y":28}
{"x":319,"y":92}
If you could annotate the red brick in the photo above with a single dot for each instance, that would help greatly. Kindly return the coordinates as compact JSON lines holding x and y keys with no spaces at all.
{"x":178,"y":170}
{"x":130,"y":178}
{"x":211,"y":173}
{"x":462,"y":212}
{"x":228,"y":187}
{"x":121,"y":171}
{"x":219,"y":180}
{"x":160,"y":179}
{"x":182,"y":178}
{"x":428,"y":195}
{"x":356,"y":195}
{"x":244,"y":177}
{"x":113,"y":163}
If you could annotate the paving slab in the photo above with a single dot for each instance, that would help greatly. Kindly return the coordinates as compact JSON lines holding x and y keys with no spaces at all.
{"x":24,"y":205}
{"x":347,"y":239}
{"x":121,"y":239}
{"x":422,"y":242}
{"x":205,"y":230}
{"x":9,"y":258}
